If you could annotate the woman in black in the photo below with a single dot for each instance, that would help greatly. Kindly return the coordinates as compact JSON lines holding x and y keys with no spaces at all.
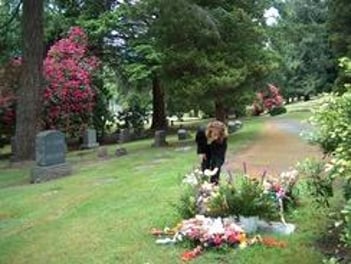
{"x":211,"y":148}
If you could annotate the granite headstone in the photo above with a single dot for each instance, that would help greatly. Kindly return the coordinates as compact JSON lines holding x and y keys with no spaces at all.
{"x":234,"y":126}
{"x":124,"y":136}
{"x":50,"y":157}
{"x":89,"y":139}
{"x":182,"y":134}
{"x":160,"y":138}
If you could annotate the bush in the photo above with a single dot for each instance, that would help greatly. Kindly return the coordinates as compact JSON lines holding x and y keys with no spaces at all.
{"x":69,"y":97}
{"x":268,"y":100}
{"x":319,"y":181}
{"x":333,"y":134}
{"x":277,"y":111}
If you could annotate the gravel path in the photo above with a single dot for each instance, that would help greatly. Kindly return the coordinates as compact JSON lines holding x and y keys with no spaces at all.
{"x":278,"y":148}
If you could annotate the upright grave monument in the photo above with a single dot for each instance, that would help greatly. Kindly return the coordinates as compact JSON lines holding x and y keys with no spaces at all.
{"x":50,"y":155}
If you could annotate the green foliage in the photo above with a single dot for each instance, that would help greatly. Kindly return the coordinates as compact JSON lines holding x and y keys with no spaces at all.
{"x":10,"y":36}
{"x":333,"y":133}
{"x":251,"y":200}
{"x":301,"y":42}
{"x":244,"y":197}
{"x":186,"y":206}
{"x":319,"y":182}
{"x":212,"y":51}
{"x":278,"y":111}
{"x":135,"y":114}
{"x":339,"y":25}
{"x":346,"y":213}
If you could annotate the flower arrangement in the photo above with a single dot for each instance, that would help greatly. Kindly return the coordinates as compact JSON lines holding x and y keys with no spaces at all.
{"x":242,"y":197}
{"x":217,"y":216}
{"x":204,"y":232}
{"x":281,"y":190}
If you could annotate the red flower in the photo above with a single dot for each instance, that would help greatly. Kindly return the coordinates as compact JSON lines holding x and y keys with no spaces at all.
{"x":217,"y":240}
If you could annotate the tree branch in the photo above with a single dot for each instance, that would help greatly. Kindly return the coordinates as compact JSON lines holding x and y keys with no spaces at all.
{"x":13,"y":16}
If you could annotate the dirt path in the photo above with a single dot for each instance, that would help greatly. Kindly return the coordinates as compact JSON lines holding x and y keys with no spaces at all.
{"x":278,"y":148}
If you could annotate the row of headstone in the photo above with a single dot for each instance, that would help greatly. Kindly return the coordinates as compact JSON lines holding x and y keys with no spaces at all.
{"x":51,"y":151}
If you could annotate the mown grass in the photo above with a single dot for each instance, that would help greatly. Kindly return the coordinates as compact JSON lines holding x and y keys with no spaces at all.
{"x":104,"y":211}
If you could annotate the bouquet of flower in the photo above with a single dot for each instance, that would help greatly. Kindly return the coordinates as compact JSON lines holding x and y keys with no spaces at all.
{"x":281,"y":189}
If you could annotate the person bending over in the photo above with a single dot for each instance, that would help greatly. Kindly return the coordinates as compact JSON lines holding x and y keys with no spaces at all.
{"x":211,"y":148}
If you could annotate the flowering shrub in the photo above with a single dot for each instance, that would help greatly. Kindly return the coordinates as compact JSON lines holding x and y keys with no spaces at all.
{"x":269,"y":100}
{"x":69,"y":96}
{"x":272,"y":99}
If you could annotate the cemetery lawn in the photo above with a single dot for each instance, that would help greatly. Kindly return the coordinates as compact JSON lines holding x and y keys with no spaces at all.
{"x":103,"y":213}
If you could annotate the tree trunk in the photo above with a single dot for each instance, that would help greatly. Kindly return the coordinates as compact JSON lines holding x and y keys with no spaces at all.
{"x":29,"y":94}
{"x":159,"y":121}
{"x":221,"y":113}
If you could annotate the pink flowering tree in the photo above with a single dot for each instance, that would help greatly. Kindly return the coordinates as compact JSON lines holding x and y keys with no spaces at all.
{"x":273,"y":99}
{"x":268,"y":100}
{"x":69,"y":96}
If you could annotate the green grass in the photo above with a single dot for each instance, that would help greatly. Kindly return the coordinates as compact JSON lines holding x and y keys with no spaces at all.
{"x":103,"y":213}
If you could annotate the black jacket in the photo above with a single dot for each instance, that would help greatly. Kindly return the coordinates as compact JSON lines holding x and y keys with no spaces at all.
{"x":215,"y":151}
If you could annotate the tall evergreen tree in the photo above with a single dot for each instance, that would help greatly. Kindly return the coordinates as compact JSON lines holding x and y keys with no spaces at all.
{"x":29,"y":94}
{"x":301,"y":41}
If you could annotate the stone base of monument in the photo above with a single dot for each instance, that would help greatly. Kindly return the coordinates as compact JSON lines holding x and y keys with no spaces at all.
{"x":47,"y":173}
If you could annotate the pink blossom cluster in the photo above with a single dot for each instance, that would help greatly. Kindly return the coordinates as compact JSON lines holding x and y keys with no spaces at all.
{"x":273,"y":99}
{"x":69,"y":97}
{"x":267,"y":100}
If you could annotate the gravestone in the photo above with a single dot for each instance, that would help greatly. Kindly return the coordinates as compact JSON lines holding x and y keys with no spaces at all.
{"x":124,"y":136}
{"x":120,"y":152}
{"x":102,"y":153}
{"x":234,"y":126}
{"x":182,"y":134}
{"x":160,"y":139}
{"x":89,"y":139}
{"x":50,"y":155}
